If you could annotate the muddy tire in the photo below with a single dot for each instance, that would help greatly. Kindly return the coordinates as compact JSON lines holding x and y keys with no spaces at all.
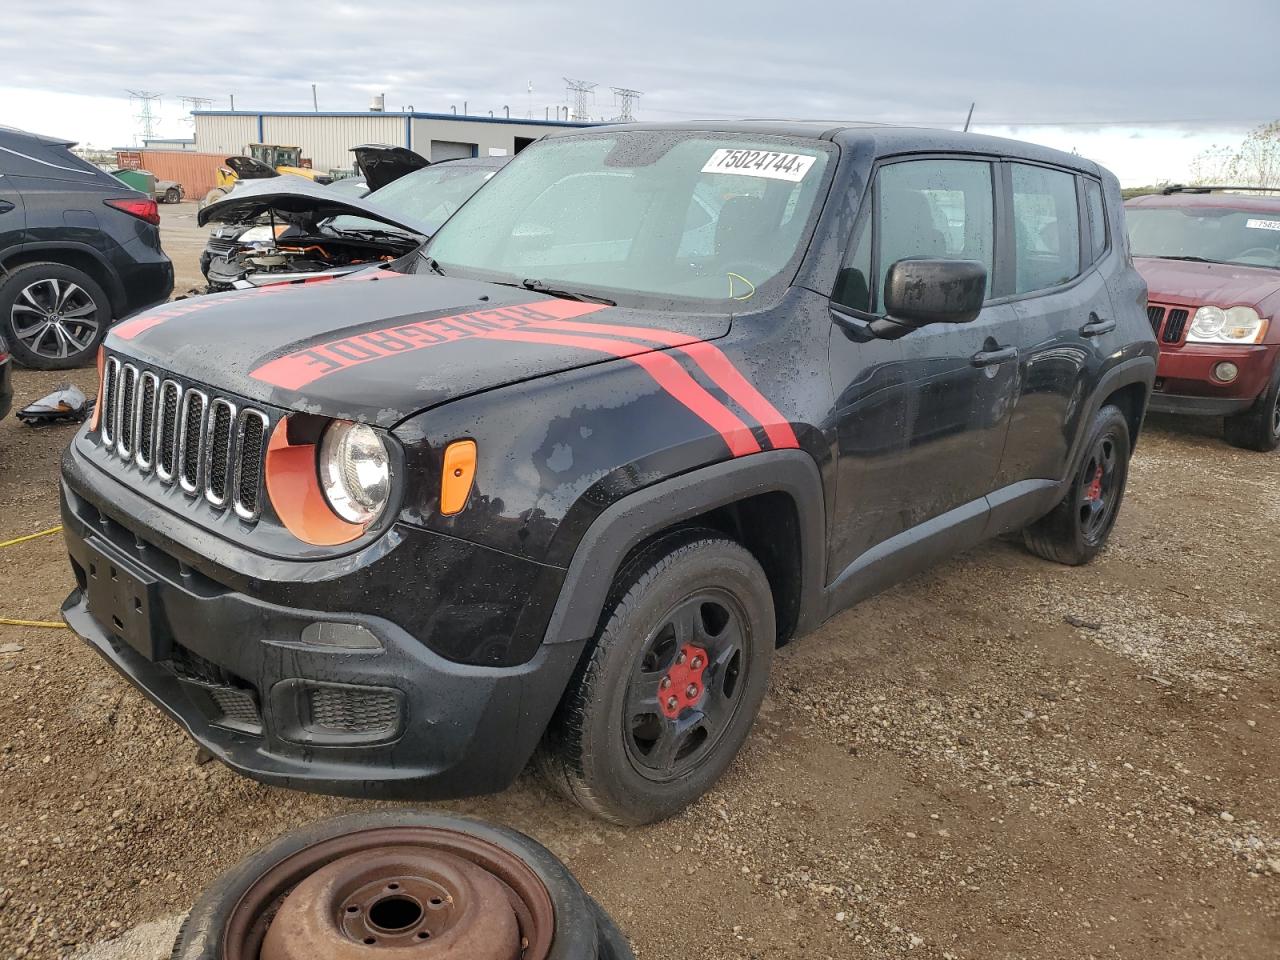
{"x":1078,"y":527}
{"x":581,"y":930}
{"x":671,"y":685}
{"x":53,"y":316}
{"x":1259,"y":427}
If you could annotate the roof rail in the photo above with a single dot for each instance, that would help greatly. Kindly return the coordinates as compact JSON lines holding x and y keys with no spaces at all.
{"x":1204,"y":188}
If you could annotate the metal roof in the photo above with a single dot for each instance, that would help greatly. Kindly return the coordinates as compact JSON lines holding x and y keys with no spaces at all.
{"x":413,"y":115}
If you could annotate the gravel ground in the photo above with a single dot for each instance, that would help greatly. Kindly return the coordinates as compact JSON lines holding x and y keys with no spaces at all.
{"x":1001,"y":758}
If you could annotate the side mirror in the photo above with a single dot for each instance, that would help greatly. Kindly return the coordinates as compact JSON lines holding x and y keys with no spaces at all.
{"x":920,"y":292}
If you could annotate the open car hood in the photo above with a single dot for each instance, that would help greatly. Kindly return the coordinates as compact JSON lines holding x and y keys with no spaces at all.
{"x":380,"y":164}
{"x":299,"y":201}
{"x":247,"y":168}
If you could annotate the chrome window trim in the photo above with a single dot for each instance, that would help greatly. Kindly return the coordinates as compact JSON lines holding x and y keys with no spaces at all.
{"x":143,"y":463}
{"x":241,"y":511}
{"x":208,"y":451}
{"x":126,"y":453}
{"x":166,"y":476}
{"x":191,"y":487}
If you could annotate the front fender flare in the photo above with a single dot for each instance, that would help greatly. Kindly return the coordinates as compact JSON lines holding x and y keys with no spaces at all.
{"x":635,"y":518}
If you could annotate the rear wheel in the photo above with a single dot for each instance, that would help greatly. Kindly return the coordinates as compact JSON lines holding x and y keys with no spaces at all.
{"x":1259,"y":427}
{"x":172,"y":195}
{"x":1078,"y":527}
{"x":665,"y":699}
{"x":54,"y":316}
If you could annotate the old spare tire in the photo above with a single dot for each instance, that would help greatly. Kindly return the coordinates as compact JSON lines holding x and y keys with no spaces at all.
{"x":420,"y":884}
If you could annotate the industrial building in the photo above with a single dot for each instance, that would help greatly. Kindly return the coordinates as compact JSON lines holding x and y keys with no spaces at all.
{"x":326,"y":138}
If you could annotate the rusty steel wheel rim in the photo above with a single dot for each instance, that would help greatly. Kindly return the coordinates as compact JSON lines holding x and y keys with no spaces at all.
{"x":414,"y":893}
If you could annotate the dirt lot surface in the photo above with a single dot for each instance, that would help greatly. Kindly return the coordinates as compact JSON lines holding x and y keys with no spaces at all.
{"x":1002,"y":758}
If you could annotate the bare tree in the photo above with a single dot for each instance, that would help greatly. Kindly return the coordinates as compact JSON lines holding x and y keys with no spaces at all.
{"x":1254,"y":163}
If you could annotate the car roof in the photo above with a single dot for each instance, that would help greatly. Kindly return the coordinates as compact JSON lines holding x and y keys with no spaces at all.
{"x":882,"y":139}
{"x":11,"y":136}
{"x":1214,"y":201}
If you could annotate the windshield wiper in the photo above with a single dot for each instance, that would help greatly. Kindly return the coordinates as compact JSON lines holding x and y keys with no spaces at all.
{"x":1190,"y":259}
{"x":541,"y":286}
{"x":432,"y":263}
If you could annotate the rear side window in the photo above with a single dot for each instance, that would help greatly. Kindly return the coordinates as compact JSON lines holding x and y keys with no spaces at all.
{"x":935,"y":208}
{"x":1097,"y":218}
{"x":1046,"y":228}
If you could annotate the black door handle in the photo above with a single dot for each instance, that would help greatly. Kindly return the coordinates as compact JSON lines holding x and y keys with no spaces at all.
{"x":1097,"y":327}
{"x":989,"y":358}
{"x":5,"y":206}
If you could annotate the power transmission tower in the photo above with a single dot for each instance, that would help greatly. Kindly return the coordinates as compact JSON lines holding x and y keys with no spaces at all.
{"x":626,"y":100}
{"x":191,"y":104}
{"x":144,"y":99}
{"x":580,"y":89}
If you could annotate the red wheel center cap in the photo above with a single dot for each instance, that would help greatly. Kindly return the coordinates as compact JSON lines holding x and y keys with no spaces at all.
{"x":1095,"y":486}
{"x":682,"y":686}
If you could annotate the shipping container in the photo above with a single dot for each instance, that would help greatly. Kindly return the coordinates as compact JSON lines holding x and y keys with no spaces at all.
{"x":197,"y":172}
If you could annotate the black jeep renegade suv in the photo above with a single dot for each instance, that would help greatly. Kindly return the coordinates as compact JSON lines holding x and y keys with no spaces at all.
{"x":656,"y":400}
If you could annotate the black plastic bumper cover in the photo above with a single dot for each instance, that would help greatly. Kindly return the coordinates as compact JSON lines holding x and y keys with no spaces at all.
{"x":461,"y":730}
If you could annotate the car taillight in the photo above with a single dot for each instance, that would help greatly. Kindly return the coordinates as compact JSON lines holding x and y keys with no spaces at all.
{"x":143,"y":209}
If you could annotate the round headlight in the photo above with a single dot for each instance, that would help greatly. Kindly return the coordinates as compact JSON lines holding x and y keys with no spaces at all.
{"x":355,"y":471}
{"x":1208,"y":323}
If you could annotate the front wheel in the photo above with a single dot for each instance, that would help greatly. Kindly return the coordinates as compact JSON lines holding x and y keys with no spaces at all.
{"x":172,"y":195}
{"x":1258,"y":428}
{"x":667,"y":695}
{"x":1078,"y":527}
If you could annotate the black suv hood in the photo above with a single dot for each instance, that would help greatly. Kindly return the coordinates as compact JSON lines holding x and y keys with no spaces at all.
{"x":378,"y":346}
{"x":297,"y":200}
{"x":380,"y":164}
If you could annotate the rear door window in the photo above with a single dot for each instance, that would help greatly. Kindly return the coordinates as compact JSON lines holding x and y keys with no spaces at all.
{"x":1046,"y":227}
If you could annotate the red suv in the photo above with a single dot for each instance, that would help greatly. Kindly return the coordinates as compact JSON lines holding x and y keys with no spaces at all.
{"x":1211,"y":259}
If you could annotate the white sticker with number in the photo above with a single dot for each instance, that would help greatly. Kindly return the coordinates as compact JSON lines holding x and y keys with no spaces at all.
{"x":760,"y":163}
{"x":1262,"y":224}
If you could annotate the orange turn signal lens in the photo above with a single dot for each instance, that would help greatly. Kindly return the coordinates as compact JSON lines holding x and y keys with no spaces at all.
{"x":97,"y":404}
{"x":456,"y":477}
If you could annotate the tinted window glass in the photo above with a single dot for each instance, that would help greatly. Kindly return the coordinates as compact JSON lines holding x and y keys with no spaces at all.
{"x":853,"y":286}
{"x":1097,"y":216}
{"x":935,"y":208}
{"x":1046,"y":227}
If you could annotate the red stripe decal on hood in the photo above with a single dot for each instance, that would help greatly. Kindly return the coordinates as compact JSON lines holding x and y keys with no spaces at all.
{"x":295,"y":370}
{"x":716,"y":366}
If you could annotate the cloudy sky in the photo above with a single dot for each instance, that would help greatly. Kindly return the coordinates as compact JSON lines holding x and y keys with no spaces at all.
{"x":1140,"y":86}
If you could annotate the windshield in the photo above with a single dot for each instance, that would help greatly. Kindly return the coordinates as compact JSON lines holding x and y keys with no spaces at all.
{"x":427,"y":197}
{"x":675,"y":216}
{"x":1218,"y":234}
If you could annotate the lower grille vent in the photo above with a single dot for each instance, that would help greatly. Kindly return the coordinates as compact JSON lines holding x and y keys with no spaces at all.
{"x":354,"y":710}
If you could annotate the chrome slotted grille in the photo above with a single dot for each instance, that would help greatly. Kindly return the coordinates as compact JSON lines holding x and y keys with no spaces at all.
{"x":211,"y":446}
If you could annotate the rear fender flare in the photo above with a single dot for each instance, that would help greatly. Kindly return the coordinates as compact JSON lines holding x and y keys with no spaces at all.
{"x":1124,"y":374}
{"x":635,"y":518}
{"x":48,"y":250}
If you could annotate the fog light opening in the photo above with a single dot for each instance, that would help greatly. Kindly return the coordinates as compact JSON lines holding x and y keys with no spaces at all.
{"x":1226,"y":372}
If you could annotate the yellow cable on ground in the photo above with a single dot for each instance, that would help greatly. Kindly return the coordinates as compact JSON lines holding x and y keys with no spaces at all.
{"x":34,"y":623}
{"x":31,"y":536}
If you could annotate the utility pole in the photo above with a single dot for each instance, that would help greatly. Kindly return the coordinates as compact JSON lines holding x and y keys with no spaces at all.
{"x":315,"y":103}
{"x":144,"y":99}
{"x":969,"y":118}
{"x":191,"y":104}
{"x":233,"y":103}
{"x":580,"y":89}
{"x":626,"y":100}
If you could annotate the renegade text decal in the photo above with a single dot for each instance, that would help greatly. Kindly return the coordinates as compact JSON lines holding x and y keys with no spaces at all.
{"x":297,"y":369}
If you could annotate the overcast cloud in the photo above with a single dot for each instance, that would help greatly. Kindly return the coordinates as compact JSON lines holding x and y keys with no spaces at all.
{"x":1197,"y":68}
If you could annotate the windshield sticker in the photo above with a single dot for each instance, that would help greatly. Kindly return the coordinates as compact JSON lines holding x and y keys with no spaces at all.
{"x":1262,"y":224}
{"x":760,"y":163}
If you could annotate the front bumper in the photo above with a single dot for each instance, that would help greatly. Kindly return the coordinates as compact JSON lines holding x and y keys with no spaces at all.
{"x":233,"y":669}
{"x":1185,"y":382}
